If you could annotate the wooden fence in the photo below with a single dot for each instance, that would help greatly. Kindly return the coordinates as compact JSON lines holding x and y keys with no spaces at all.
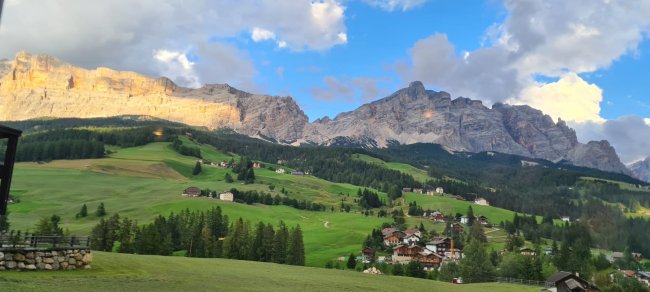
{"x":43,"y":241}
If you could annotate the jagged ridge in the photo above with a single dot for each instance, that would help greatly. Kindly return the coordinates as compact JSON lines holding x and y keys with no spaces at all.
{"x":38,"y":86}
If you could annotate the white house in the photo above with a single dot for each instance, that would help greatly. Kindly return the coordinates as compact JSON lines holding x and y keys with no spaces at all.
{"x":566,"y":219}
{"x":411,"y":239}
{"x":464,"y":220}
{"x":227,"y":196}
{"x":280,"y":171}
{"x":439,"y":190}
{"x":482,"y":202}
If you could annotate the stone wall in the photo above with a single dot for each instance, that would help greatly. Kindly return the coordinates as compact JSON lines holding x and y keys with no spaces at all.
{"x":45,"y":259}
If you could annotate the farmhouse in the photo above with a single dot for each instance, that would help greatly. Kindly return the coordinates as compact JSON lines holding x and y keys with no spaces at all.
{"x":429,"y":260}
{"x":439,"y":245}
{"x":566,"y":219}
{"x":368,"y":254}
{"x":526,"y":251}
{"x":438,"y":217}
{"x":482,"y":220}
{"x":404,"y":253}
{"x":464,"y":219}
{"x":440,"y":190}
{"x":227,"y":196}
{"x":457,"y":228}
{"x":280,"y":171}
{"x":257,"y":164}
{"x":415,"y":232}
{"x":191,"y":192}
{"x":406,"y":190}
{"x":418,"y":191}
{"x":482,"y":202}
{"x":460,"y":198}
{"x":644,"y":277}
{"x":394,"y":238}
{"x":565,"y":281}
{"x":224,"y":164}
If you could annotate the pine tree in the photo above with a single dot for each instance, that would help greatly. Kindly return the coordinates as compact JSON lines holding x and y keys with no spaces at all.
{"x":101,"y":211}
{"x":296,"y":248}
{"x":83,"y":212}
{"x":280,"y":244}
{"x":197,"y":168}
{"x":352,"y":262}
{"x":475,"y":265}
{"x":470,"y":216}
{"x":228,"y":178}
{"x":250,"y":176}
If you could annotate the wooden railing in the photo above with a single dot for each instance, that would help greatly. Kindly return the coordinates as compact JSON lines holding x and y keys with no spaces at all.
{"x":523,"y":282}
{"x":43,"y":241}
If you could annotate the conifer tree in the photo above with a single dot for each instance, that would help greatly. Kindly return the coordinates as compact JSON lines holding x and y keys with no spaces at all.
{"x":280,"y":244}
{"x":296,"y":248}
{"x":197,"y":168}
{"x":101,"y":211}
{"x":352,"y":261}
{"x":228,"y":178}
{"x":83,"y":212}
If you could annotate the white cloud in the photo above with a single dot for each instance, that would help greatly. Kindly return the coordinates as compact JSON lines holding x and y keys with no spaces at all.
{"x":333,"y":90}
{"x":176,"y":66}
{"x":260,"y":34}
{"x":122,"y":34}
{"x":647,"y":121}
{"x":391,"y":5}
{"x":547,"y":38}
{"x":349,"y":89}
{"x":630,"y":136}
{"x":570,"y":98}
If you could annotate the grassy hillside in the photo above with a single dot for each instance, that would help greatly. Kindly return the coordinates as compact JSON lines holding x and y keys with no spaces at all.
{"x":419,"y":174}
{"x":121,"y":272}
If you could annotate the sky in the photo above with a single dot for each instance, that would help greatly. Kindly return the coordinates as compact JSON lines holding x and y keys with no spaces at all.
{"x":584,"y":61}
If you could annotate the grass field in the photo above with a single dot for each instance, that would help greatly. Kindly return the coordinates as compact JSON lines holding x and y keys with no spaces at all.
{"x":418,"y":174}
{"x":121,"y":272}
{"x":144,"y":182}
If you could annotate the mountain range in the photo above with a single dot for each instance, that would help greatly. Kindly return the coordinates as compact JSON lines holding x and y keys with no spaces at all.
{"x":34,"y":86}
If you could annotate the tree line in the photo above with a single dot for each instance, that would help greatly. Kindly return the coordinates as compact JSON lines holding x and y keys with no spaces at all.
{"x":206,"y":234}
{"x":80,"y":143}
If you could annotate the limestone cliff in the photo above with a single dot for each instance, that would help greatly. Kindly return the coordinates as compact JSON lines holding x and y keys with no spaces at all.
{"x":415,"y":114}
{"x":38,"y":86}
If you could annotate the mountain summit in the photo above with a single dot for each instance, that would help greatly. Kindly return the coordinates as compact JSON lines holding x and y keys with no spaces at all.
{"x":33,"y":86}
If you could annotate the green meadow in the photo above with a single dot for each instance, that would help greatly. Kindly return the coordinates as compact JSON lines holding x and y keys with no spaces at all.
{"x":144,"y":182}
{"x":123,"y":272}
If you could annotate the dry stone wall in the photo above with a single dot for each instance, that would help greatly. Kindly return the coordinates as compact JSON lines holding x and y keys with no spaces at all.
{"x":40,"y":259}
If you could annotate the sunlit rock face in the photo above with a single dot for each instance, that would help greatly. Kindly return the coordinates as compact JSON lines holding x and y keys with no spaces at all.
{"x":41,"y":86}
{"x":36,"y":86}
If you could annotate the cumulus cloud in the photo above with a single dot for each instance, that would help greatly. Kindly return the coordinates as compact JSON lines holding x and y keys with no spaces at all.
{"x":348,"y":89}
{"x":570,"y":98}
{"x":538,"y":38}
{"x":556,"y":39}
{"x":260,"y":34}
{"x":122,"y":34}
{"x":333,"y":90}
{"x":391,"y":5}
{"x":630,"y":136}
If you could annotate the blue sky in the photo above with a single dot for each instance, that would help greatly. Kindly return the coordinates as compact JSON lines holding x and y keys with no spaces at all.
{"x":377,"y":40}
{"x":584,"y":61}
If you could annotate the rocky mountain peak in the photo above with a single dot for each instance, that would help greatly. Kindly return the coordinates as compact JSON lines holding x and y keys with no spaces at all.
{"x":33,"y":86}
{"x":641,"y":169}
{"x":39,"y":85}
